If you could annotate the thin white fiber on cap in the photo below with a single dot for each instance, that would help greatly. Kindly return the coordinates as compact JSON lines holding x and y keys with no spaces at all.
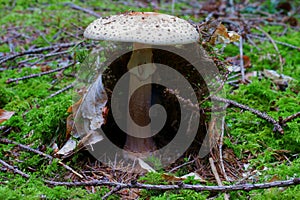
{"x":143,"y":27}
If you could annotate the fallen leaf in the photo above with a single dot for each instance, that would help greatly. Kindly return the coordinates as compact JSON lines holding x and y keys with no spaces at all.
{"x":68,"y":147}
{"x":274,"y":178}
{"x":89,"y":113}
{"x":5,"y":115}
{"x":45,"y":68}
{"x":145,"y":166}
{"x":196,"y":177}
{"x":222,"y":36}
{"x":171,"y":178}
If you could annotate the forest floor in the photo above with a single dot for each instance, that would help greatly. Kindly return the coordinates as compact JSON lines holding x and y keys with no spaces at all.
{"x":41,"y":49}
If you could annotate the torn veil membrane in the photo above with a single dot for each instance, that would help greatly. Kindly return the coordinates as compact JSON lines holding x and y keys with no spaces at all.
{"x":88,"y":118}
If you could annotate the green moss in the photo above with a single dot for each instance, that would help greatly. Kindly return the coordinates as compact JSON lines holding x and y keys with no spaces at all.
{"x":38,"y":120}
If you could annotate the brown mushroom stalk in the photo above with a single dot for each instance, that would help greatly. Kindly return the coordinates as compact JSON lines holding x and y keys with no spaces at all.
{"x":141,"y":67}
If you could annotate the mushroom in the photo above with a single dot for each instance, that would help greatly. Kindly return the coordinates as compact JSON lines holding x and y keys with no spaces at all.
{"x":144,"y":29}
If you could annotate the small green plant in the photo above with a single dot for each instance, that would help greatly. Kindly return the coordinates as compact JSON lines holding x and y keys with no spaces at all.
{"x":155,"y":162}
{"x":191,"y":180}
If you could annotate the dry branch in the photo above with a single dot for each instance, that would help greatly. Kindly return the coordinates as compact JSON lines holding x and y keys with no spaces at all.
{"x":116,"y":189}
{"x":27,"y":148}
{"x":262,"y":115}
{"x":217,"y":177}
{"x":246,"y":187}
{"x":15,"y":170}
{"x":278,"y":42}
{"x":221,"y":147}
{"x":290,"y":118}
{"x":38,"y":50}
{"x":277,"y":126}
{"x":11,"y":80}
{"x":88,"y":11}
{"x":242,"y":60}
{"x":275,"y":46}
{"x":62,"y":90}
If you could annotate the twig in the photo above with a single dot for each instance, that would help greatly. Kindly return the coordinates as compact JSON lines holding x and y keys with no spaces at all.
{"x":55,"y":54}
{"x":116,"y":189}
{"x":38,"y":50}
{"x":290,"y":118}
{"x":173,"y":6}
{"x":179,"y":166}
{"x":221,"y":149}
{"x":265,"y":116}
{"x":231,"y":7}
{"x":246,"y":187}
{"x":252,"y":42}
{"x":275,"y":46}
{"x":234,"y":76}
{"x":88,"y":11}
{"x":7,"y":141}
{"x":215,"y":172}
{"x":246,"y":177}
{"x":276,"y":41}
{"x":15,"y":170}
{"x":62,"y":90}
{"x":242,"y":60}
{"x":11,"y":80}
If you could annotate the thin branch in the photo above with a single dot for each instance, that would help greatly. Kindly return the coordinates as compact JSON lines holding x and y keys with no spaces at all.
{"x":62,"y":90}
{"x":221,"y":148}
{"x":217,"y":177}
{"x":11,"y":80}
{"x":290,"y":118}
{"x":85,"y":10}
{"x":38,"y":50}
{"x":15,"y":170}
{"x":265,"y":116}
{"x":242,"y":60}
{"x":7,"y":141}
{"x":252,"y":42}
{"x":275,"y":46}
{"x":116,"y":189}
{"x":278,"y":42}
{"x":182,"y":165}
{"x":246,"y":187}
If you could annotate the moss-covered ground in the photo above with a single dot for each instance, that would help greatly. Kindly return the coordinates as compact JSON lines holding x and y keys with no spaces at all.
{"x":40,"y":121}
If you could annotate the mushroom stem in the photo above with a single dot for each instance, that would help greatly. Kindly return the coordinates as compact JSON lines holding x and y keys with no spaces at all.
{"x":141,"y":68}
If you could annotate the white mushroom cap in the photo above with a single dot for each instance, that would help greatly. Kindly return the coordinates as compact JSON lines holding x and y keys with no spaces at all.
{"x":143,"y":27}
